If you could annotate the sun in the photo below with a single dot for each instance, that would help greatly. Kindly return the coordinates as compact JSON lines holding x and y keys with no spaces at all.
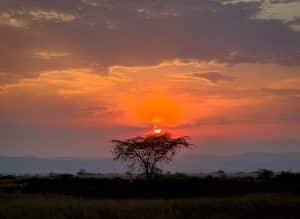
{"x":157,"y":130}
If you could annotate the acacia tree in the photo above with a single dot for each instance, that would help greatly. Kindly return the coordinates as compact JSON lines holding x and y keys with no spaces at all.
{"x":144,"y":153}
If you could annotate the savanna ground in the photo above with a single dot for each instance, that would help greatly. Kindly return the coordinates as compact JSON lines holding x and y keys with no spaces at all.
{"x":73,"y":197}
{"x":19,"y":206}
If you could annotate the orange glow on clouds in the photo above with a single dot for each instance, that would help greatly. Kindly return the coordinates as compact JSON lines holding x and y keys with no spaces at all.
{"x":159,"y":109}
{"x":156,"y":108}
{"x":146,"y":97}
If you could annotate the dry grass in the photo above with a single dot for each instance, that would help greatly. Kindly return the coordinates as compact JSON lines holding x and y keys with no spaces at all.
{"x":63,"y":207}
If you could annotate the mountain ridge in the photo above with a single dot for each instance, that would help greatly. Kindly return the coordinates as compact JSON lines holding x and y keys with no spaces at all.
{"x":186,"y":163}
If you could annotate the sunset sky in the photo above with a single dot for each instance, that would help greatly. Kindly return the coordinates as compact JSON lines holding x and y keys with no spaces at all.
{"x":75,"y":74}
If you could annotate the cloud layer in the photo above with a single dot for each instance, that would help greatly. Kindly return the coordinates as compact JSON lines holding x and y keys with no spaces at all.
{"x":101,"y":34}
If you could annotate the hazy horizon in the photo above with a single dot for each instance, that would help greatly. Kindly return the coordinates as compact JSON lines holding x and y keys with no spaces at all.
{"x":184,"y":163}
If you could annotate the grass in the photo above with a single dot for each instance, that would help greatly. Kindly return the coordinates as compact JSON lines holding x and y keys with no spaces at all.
{"x":22,"y":206}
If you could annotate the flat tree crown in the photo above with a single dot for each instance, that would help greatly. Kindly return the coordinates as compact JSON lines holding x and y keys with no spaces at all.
{"x":146,"y":152}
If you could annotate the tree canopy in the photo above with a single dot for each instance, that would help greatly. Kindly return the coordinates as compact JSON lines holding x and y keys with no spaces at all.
{"x":144,"y":153}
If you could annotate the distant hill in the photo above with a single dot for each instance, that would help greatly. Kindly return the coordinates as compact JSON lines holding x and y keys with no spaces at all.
{"x":243,"y":162}
{"x":37,"y":165}
{"x":189,"y":164}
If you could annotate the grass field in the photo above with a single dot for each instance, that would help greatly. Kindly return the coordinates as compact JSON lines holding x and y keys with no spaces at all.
{"x":22,"y":206}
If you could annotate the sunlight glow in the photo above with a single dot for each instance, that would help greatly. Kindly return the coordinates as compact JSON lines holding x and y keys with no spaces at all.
{"x":157,"y":130}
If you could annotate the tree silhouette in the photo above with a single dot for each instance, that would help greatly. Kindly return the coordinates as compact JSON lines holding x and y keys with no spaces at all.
{"x":144,"y":153}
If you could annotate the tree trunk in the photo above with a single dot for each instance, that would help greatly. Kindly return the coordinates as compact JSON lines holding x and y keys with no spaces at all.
{"x":147,"y":174}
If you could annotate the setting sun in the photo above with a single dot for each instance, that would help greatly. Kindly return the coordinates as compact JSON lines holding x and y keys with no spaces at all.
{"x":157,"y":130}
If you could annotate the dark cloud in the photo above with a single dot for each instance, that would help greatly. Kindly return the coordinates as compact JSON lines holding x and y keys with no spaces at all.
{"x":97,"y":111}
{"x":99,"y":34}
{"x":295,"y":21}
{"x":282,"y":1}
{"x":281,"y":92}
{"x":267,"y":1}
{"x":213,"y":77}
{"x":263,"y":1}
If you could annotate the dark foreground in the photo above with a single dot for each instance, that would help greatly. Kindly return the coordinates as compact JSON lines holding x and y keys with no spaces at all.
{"x":265,"y":195}
{"x":66,"y":207}
{"x":165,"y":186}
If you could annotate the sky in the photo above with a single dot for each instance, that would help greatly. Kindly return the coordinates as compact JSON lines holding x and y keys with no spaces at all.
{"x":75,"y":74}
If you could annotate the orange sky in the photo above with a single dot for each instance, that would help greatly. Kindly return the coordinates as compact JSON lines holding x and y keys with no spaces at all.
{"x":75,"y":74}
{"x":167,"y":95}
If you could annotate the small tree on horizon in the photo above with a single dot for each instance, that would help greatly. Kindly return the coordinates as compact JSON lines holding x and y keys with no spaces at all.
{"x":144,"y":153}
